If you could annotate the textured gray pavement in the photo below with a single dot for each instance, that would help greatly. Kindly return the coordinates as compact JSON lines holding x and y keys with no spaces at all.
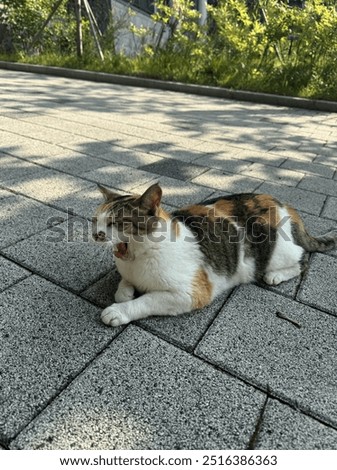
{"x":232,"y":375}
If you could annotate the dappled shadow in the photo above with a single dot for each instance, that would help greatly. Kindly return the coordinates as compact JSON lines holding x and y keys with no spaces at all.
{"x":59,"y":138}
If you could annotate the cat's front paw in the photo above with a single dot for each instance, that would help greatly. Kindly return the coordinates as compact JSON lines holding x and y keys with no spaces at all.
{"x":114,"y":316}
{"x":124,"y":294}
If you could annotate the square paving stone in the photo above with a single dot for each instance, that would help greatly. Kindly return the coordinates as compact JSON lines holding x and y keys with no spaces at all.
{"x":178,"y":153}
{"x":178,"y":193}
{"x":187,"y":329}
{"x":119,"y":176}
{"x":249,"y":340}
{"x":315,"y":169}
{"x":300,"y":199}
{"x":48,"y":336}
{"x":228,"y":182}
{"x":318,"y":226}
{"x":123,"y":156}
{"x":21,"y":217}
{"x":13,"y":168}
{"x":83,"y":203}
{"x":330,"y":208}
{"x":143,"y":393}
{"x":64,"y":254}
{"x":46,"y":185}
{"x":103,"y":291}
{"x":269,"y":173}
{"x":174,"y":169}
{"x":74,"y":163}
{"x":319,"y":185}
{"x":285,"y":428}
{"x":319,"y":286}
{"x":225,"y":162}
{"x":288,"y":288}
{"x":10,"y":273}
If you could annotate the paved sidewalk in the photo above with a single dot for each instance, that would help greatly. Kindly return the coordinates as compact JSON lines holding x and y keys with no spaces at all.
{"x":233,"y":375}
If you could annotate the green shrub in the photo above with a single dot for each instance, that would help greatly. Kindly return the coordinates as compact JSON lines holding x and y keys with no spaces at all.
{"x":264,"y":46}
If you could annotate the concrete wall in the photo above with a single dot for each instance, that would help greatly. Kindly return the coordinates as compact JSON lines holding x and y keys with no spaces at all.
{"x":128,"y":42}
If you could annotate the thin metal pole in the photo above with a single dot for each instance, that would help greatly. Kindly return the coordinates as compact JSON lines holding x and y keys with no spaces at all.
{"x":94,"y":19}
{"x":92,"y":27}
{"x":79,"y":37}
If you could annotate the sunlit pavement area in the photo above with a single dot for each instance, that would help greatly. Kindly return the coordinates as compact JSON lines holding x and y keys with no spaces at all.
{"x":233,"y":375}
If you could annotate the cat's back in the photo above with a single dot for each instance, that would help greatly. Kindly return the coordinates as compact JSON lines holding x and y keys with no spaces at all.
{"x":236,"y":208}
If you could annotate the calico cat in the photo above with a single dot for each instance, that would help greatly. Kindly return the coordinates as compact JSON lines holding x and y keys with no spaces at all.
{"x":182,"y":260}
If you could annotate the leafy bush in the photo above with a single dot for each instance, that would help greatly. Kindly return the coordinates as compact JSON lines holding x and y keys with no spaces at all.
{"x":261,"y":45}
{"x":24,"y":19}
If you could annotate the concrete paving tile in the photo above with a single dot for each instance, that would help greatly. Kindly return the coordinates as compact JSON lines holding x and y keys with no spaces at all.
{"x":300,"y":199}
{"x":123,"y":156}
{"x":330,"y":208}
{"x":174,"y":169}
{"x":288,"y":288}
{"x":315,"y":225}
{"x":227,"y":163}
{"x":54,"y":335}
{"x":319,"y":185}
{"x":315,"y":169}
{"x":219,"y":148}
{"x":178,"y":193}
{"x":74,"y":163}
{"x":319,"y":286}
{"x":249,"y":340}
{"x":10,"y":273}
{"x":102,"y":292}
{"x":327,"y":156}
{"x":227,"y":182}
{"x":21,"y":217}
{"x":13,"y":168}
{"x":143,"y":393}
{"x":178,"y":153}
{"x":142,"y":145}
{"x":27,"y":148}
{"x":83,"y":203}
{"x":120,"y":177}
{"x":285,"y":429}
{"x":64,"y":254}
{"x":298,"y":153}
{"x":187,"y":329}
{"x":272,"y":174}
{"x":47,"y":185}
{"x":262,"y":157}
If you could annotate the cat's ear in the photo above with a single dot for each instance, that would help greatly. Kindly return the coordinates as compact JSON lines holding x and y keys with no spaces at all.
{"x":107,"y":194}
{"x":152,"y":197}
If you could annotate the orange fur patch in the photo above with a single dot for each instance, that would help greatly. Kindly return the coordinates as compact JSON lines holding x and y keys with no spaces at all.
{"x":176,"y":228}
{"x":201,"y":289}
{"x":295,"y":217}
{"x":105,"y":207}
{"x":223,"y":208}
{"x":196,"y":209}
{"x":162,"y":214}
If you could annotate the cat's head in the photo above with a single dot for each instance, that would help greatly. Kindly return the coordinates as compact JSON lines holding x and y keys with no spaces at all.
{"x":120,"y":219}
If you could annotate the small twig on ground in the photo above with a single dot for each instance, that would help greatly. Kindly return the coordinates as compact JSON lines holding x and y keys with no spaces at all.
{"x":284,"y":317}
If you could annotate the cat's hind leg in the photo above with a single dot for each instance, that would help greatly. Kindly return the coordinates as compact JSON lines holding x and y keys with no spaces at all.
{"x":125,"y":291}
{"x":273,"y":278}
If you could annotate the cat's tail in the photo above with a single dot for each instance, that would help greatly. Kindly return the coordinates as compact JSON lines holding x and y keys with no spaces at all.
{"x":321,"y":244}
{"x":305,"y":240}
